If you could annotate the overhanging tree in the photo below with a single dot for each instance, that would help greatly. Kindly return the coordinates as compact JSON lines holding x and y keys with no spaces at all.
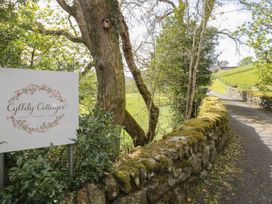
{"x":259,"y":36}
{"x":102,"y":24}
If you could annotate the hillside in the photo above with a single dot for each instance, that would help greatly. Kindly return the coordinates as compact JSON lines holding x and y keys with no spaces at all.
{"x":244,"y":77}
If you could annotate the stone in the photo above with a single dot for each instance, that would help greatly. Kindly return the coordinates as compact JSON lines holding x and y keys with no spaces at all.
{"x":136,"y":181}
{"x":154,"y":194}
{"x":187,"y":170}
{"x":172,"y":181}
{"x":166,"y":170}
{"x":209,"y":166}
{"x":95,"y":195}
{"x":203,"y":174}
{"x":174,"y":155}
{"x":183,"y":177}
{"x":81,"y":197}
{"x":176,"y":172}
{"x":213,"y":155}
{"x":195,"y":148}
{"x":195,"y":163}
{"x":139,"y":197}
{"x":150,"y":175}
{"x":186,"y":152}
{"x":111,"y":187}
{"x":181,"y":153}
{"x":206,"y":156}
{"x":143,"y":175}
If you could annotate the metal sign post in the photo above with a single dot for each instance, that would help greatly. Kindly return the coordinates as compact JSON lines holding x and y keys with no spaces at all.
{"x":71,"y":159}
{"x":2,"y":175}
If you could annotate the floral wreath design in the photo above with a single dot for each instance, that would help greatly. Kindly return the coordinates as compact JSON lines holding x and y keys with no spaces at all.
{"x":31,"y":90}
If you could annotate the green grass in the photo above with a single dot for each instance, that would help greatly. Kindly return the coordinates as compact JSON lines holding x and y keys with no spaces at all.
{"x":244,"y":77}
{"x":136,"y":107}
{"x":218,"y":86}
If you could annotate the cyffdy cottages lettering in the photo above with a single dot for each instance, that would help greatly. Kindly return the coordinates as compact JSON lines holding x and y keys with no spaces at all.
{"x":31,"y":109}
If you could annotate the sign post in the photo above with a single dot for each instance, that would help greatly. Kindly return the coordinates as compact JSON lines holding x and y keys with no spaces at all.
{"x":2,"y":171}
{"x":71,"y":159}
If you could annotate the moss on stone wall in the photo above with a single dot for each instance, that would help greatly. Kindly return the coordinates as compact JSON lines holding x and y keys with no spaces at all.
{"x":152,"y":171}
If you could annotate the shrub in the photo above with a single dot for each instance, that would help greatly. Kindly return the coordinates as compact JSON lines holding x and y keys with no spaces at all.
{"x":97,"y":145}
{"x":41,"y":175}
{"x":33,"y":181}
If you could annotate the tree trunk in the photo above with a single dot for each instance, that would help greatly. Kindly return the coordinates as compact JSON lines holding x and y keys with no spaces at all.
{"x":102,"y":24}
{"x":99,"y":27}
{"x":152,"y":109}
{"x":208,"y":6}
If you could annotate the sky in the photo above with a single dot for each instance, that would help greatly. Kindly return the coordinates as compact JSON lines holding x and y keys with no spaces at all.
{"x":231,"y":19}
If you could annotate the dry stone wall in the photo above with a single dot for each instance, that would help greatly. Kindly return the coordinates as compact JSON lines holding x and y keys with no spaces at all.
{"x":164,"y":171}
{"x":262,"y":101}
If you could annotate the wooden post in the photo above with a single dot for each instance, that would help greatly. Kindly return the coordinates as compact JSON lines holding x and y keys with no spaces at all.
{"x":2,"y":169}
{"x":71,"y":159}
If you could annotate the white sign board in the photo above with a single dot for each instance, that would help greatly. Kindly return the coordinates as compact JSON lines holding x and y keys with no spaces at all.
{"x":37,"y":108}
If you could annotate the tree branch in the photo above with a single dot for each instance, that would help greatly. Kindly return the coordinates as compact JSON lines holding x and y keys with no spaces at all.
{"x":59,"y":32}
{"x":166,"y":14}
{"x":168,"y":2}
{"x":87,"y":68}
{"x":128,"y":53}
{"x":134,"y":130}
{"x":67,"y":8}
{"x":236,"y":40}
{"x":71,"y":25}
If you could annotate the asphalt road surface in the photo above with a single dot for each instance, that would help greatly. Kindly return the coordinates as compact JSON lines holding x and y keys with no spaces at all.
{"x":254,"y":126}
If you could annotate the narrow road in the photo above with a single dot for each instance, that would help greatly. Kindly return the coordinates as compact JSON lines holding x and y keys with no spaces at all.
{"x":254,"y":126}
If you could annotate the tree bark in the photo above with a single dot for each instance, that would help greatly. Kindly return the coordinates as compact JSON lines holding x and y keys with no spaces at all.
{"x":152,"y":108}
{"x":101,"y":25}
{"x":99,"y":28}
{"x":207,"y":10}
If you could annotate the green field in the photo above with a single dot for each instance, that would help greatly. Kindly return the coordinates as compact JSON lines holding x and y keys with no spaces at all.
{"x":137,"y":108}
{"x":244,"y":77}
{"x":218,"y":86}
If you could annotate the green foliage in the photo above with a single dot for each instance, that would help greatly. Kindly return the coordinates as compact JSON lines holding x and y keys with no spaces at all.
{"x":41,"y":175}
{"x":258,"y":32}
{"x":34,"y":181}
{"x":21,"y":44}
{"x":10,"y":48}
{"x":265,"y":73}
{"x":87,"y":92}
{"x":171,"y":62}
{"x":246,"y":61}
{"x":97,"y":145}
